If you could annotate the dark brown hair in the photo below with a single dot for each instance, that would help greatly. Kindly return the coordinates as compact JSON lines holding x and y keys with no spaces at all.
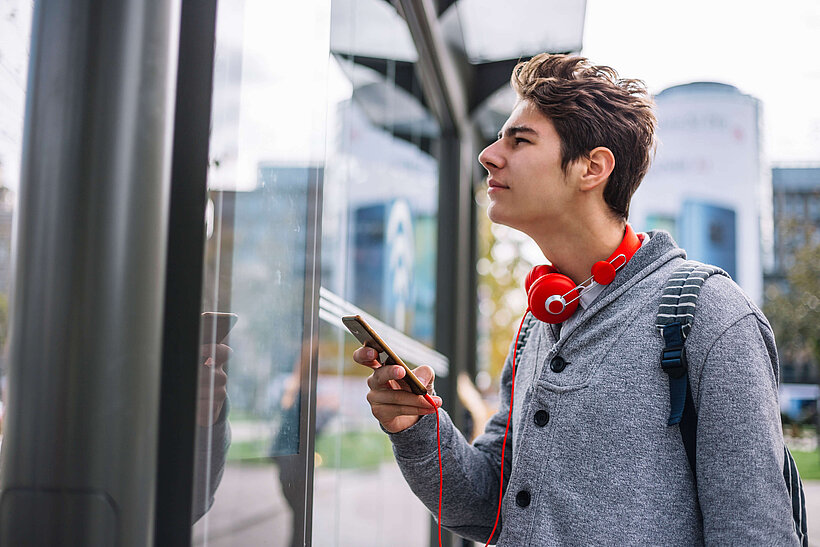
{"x":590,"y":107}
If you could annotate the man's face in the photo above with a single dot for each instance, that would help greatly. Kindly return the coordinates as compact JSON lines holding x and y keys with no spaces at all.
{"x":528,"y":190}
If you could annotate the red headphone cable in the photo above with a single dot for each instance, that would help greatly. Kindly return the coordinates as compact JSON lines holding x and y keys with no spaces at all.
{"x":503,"y":448}
{"x":506,"y":430}
{"x":440,"y":468}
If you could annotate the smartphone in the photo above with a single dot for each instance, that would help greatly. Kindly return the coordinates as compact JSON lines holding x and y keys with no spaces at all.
{"x":215,"y":325}
{"x":365,"y":334}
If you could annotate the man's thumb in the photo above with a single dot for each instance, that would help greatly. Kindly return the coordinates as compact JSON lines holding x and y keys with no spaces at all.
{"x":425,"y":375}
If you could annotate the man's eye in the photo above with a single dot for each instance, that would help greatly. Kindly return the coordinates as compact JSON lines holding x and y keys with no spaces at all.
{"x":519,"y":140}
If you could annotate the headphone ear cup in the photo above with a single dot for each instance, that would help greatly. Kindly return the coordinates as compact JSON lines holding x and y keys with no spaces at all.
{"x":537,"y":272}
{"x":547,"y":286}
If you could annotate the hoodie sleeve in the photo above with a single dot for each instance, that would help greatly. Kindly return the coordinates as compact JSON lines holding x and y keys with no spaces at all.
{"x":471,"y":471}
{"x":741,"y":490}
{"x":212,"y":444}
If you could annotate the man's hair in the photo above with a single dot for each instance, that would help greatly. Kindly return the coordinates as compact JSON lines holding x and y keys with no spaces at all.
{"x":590,"y":107}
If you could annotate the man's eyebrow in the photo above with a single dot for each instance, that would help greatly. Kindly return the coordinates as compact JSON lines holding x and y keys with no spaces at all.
{"x":518,"y":129}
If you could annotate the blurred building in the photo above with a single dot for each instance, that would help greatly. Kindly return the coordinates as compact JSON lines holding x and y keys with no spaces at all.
{"x":706,"y":185}
{"x":796,"y":214}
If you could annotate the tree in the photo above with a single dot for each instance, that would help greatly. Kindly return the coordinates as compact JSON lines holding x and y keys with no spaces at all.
{"x":793,"y":307}
{"x":505,"y":257}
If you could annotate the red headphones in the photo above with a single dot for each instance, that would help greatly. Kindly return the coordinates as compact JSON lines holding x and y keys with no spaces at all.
{"x":553,"y":297}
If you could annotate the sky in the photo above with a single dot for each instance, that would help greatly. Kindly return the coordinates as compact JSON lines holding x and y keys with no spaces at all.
{"x":770,"y":50}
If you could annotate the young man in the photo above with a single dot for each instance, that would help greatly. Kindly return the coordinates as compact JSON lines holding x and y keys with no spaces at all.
{"x":590,"y":459}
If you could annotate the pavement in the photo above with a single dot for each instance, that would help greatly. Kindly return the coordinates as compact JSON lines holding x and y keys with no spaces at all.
{"x":351,"y":507}
{"x":812,"y":491}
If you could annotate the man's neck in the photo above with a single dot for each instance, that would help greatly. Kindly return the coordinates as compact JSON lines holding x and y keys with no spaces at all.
{"x":574,"y":248}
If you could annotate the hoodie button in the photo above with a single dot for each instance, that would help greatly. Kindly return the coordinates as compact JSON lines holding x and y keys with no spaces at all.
{"x":522,"y":499}
{"x":557,"y":364}
{"x":541,"y":418}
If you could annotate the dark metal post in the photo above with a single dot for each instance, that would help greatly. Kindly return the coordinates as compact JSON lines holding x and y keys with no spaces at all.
{"x":183,"y":297}
{"x":81,"y":439}
{"x":443,"y":77}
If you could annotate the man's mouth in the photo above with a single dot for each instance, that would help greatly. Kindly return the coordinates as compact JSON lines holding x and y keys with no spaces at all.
{"x":495,"y":184}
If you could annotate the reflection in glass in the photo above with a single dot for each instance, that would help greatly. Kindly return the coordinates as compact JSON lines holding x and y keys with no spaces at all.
{"x":269,"y":259}
{"x":379,"y":236}
{"x":260,"y":252}
{"x":15,"y":28}
{"x":297,"y":133}
{"x":265,"y":178}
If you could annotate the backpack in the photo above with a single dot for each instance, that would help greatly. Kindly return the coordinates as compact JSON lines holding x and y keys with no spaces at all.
{"x":674,"y":321}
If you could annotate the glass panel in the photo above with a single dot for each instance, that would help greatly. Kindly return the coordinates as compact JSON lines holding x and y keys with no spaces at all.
{"x":370,"y":29}
{"x":380,"y":222}
{"x":15,"y":30}
{"x":284,"y":125}
{"x":254,"y":463}
{"x":492,"y":31}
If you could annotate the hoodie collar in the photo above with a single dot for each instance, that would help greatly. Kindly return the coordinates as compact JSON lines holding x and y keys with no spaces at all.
{"x":659,"y":250}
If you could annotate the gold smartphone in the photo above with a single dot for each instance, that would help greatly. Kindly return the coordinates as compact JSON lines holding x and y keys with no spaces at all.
{"x":365,"y":334}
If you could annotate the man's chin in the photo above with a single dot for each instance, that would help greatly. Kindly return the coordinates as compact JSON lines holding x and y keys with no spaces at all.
{"x":510,"y":221}
{"x":497,"y":216}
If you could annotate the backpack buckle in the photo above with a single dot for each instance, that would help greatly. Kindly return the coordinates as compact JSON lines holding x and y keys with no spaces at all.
{"x":673,"y":361}
{"x":673,"y":356}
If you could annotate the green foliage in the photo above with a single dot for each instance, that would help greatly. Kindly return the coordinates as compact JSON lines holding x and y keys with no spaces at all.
{"x":353,"y":450}
{"x":249,"y":451}
{"x":502,"y":268}
{"x":347,"y":450}
{"x":808,"y":464}
{"x":794,"y":308}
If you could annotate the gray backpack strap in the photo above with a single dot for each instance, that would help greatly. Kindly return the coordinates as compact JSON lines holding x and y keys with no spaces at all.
{"x":674,"y":321}
{"x":680,"y":295}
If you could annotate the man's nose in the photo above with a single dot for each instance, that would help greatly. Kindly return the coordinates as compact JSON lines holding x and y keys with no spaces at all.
{"x":490,"y":157}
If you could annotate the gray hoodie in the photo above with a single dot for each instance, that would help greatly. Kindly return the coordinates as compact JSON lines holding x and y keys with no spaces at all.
{"x":590,"y":459}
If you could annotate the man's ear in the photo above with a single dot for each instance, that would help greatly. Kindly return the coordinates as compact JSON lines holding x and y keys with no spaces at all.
{"x":596,"y":168}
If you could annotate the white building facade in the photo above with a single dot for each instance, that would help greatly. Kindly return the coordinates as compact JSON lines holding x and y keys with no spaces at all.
{"x":707,"y":184}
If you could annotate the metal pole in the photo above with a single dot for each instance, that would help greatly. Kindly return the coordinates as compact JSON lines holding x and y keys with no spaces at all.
{"x":184,"y":266}
{"x":79,"y":455}
{"x":444,"y":79}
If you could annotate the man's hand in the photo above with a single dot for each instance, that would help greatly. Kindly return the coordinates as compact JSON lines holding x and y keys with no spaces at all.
{"x":213,"y":383}
{"x":391,"y":402}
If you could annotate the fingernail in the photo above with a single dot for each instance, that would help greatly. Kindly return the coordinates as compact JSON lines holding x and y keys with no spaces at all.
{"x":370,"y":353}
{"x":438,"y":401}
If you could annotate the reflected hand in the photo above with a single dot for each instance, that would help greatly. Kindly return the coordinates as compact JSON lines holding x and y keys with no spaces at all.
{"x":391,"y":402}
{"x":213,"y":383}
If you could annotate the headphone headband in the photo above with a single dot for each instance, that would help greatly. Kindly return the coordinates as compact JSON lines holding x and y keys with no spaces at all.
{"x":603,"y":271}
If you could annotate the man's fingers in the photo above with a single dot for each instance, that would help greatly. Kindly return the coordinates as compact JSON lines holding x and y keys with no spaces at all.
{"x":399,"y":399}
{"x":382,"y":376}
{"x":217,"y":353}
{"x":217,"y":379}
{"x":386,"y":413}
{"x":367,"y":356}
